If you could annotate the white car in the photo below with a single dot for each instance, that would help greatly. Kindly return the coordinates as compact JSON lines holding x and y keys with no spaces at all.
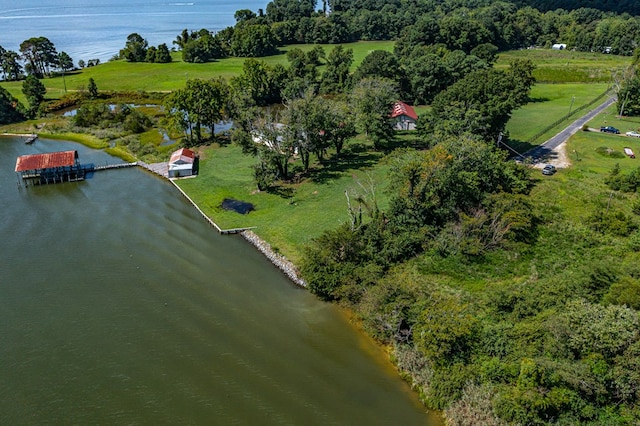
{"x":633,"y":133}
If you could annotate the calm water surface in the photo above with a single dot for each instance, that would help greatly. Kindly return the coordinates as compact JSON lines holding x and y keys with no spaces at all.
{"x":120,"y":305}
{"x":98,"y":29}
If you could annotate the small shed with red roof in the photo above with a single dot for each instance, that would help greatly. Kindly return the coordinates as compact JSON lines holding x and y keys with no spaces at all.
{"x":182,"y":163}
{"x":404,"y":116}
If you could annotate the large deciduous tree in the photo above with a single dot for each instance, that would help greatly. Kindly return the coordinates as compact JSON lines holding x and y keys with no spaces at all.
{"x":200,"y":104}
{"x":264,"y":83}
{"x":9,"y":108}
{"x":34,"y":91}
{"x":40,"y":56}
{"x":372,"y":100}
{"x":482,"y":102}
{"x":307,"y":119}
{"x":629,"y":96}
{"x":253,"y":41}
{"x":336,"y":75}
{"x":10,"y":65}
{"x":135,"y":49}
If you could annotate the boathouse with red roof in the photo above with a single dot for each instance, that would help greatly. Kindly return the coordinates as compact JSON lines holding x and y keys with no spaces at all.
{"x":51,"y":167}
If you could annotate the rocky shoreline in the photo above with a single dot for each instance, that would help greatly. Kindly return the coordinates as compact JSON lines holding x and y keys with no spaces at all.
{"x":278,"y":260}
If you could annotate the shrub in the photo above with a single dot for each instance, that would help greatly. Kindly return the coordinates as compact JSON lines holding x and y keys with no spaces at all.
{"x":474,"y":408}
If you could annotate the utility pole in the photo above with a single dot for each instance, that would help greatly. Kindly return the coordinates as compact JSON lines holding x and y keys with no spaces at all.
{"x":573,"y":98}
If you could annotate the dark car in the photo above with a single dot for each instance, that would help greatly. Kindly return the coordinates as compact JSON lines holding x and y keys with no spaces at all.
{"x":549,"y":169}
{"x":609,"y":129}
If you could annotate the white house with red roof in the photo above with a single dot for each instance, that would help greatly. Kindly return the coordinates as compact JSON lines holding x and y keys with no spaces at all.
{"x":181,"y":163}
{"x":404,"y":116}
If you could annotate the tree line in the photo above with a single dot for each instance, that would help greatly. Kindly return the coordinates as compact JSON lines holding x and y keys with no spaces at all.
{"x":455,"y":25}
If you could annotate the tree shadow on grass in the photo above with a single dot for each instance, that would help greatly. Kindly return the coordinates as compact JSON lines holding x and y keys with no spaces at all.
{"x":281,"y":191}
{"x":518,"y":146}
{"x":538,"y":100}
{"x":335,"y":167}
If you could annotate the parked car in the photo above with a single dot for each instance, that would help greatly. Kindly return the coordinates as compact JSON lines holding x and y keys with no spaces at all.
{"x":609,"y":129}
{"x":548,"y":169}
{"x":633,"y":134}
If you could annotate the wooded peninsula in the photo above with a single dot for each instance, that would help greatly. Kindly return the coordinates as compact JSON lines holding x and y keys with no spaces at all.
{"x":504,"y":295}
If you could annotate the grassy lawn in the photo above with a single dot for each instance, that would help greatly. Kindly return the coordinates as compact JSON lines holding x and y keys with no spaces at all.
{"x":293,"y":214}
{"x":578,"y":190}
{"x":563,"y":66}
{"x":147,"y":77}
{"x":550,"y":102}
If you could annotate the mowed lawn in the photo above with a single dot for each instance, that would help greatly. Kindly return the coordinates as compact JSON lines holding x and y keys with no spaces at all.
{"x":551,"y":102}
{"x":293,"y":214}
{"x":147,"y":77}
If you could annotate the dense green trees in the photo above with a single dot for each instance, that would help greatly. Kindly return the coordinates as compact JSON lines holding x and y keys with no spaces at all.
{"x":40,"y":56}
{"x":11,"y":68}
{"x":263,"y":83}
{"x":335,"y":78}
{"x":199,"y":105}
{"x":34,"y":91}
{"x":9,"y":108}
{"x":253,"y":41}
{"x":629,"y":96}
{"x":372,"y":100}
{"x":481,"y":102}
{"x":135,"y":49}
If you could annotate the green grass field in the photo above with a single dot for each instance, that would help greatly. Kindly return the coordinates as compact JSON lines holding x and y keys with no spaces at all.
{"x":295,"y":213}
{"x":147,"y":77}
{"x":550,"y":102}
{"x":564,"y":66}
{"x":574,"y":189}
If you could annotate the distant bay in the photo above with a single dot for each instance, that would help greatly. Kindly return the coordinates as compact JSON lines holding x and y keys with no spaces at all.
{"x":98,"y":29}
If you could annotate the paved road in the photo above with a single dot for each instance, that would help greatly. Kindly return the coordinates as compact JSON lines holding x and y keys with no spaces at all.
{"x":546,"y":148}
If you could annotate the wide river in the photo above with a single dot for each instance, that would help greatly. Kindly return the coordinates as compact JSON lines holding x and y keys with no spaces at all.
{"x":119,"y":304}
{"x":98,"y":29}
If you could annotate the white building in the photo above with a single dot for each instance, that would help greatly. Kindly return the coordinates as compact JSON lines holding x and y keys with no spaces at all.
{"x":181,"y":163}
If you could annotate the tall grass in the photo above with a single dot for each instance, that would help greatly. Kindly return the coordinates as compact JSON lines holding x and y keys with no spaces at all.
{"x":564,"y":66}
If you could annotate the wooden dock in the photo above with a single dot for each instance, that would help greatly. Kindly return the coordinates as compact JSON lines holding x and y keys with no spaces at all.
{"x":160,"y":169}
{"x":114,"y":166}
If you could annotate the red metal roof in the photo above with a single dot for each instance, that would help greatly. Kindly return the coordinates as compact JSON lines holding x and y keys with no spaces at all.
{"x":184,"y":154}
{"x":400,"y":108}
{"x":46,"y":161}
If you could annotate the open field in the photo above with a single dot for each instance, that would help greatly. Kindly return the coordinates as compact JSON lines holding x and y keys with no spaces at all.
{"x":549,"y":103}
{"x":571,"y":190}
{"x":563,"y":66}
{"x":147,"y":77}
